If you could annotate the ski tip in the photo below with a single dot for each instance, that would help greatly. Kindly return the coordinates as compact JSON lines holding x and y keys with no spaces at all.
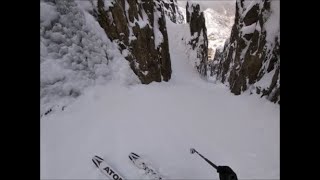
{"x":97,"y":157}
{"x":95,"y":163}
{"x":132,"y":153}
{"x":97,"y":160}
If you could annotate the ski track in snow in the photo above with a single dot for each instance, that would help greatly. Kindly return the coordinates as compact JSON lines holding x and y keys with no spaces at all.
{"x":161,"y":122}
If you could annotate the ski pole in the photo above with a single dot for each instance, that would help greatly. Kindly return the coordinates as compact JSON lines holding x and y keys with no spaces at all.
{"x":225,"y":172}
{"x":192,"y":150}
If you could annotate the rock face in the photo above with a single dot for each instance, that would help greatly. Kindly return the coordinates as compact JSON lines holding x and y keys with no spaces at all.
{"x":250,"y":58}
{"x":139,"y":27}
{"x":171,"y":9}
{"x":199,"y":40}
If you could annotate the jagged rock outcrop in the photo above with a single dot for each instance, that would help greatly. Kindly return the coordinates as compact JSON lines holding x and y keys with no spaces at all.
{"x":139,"y":27}
{"x":199,"y":40}
{"x":250,"y":58}
{"x":172,"y":11}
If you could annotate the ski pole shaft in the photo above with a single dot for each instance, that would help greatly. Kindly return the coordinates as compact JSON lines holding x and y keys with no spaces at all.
{"x":207,"y":160}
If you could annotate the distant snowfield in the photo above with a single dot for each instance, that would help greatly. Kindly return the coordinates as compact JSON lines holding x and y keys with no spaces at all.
{"x":161,"y":121}
{"x":219,"y":27}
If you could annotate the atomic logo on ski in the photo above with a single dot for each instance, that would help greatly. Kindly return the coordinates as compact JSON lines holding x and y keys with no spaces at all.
{"x":106,"y":169}
{"x":97,"y":161}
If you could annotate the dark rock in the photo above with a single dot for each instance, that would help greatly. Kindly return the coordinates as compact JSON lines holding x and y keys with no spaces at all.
{"x":246,"y":58}
{"x":252,"y":15}
{"x":149,"y":61}
{"x":198,"y":31}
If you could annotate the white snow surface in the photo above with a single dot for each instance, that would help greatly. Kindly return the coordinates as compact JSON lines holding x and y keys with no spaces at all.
{"x":248,"y":29}
{"x":161,"y":121}
{"x":266,"y":80}
{"x":48,"y":13}
{"x":158,"y":37}
{"x":272,"y":25}
{"x":184,"y":13}
{"x":75,"y":54}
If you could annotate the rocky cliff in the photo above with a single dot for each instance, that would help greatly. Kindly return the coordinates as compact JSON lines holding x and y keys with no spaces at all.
{"x":172,"y":10}
{"x":139,"y":27}
{"x":250,"y":59}
{"x":199,"y":40}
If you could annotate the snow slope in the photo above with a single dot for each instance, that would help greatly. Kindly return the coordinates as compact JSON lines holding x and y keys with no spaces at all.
{"x":75,"y":54}
{"x":161,"y":121}
{"x":218,"y":28}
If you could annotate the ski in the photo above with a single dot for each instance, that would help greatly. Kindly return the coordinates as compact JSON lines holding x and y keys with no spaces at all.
{"x":140,"y":163}
{"x":143,"y":165}
{"x":106,"y":169}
